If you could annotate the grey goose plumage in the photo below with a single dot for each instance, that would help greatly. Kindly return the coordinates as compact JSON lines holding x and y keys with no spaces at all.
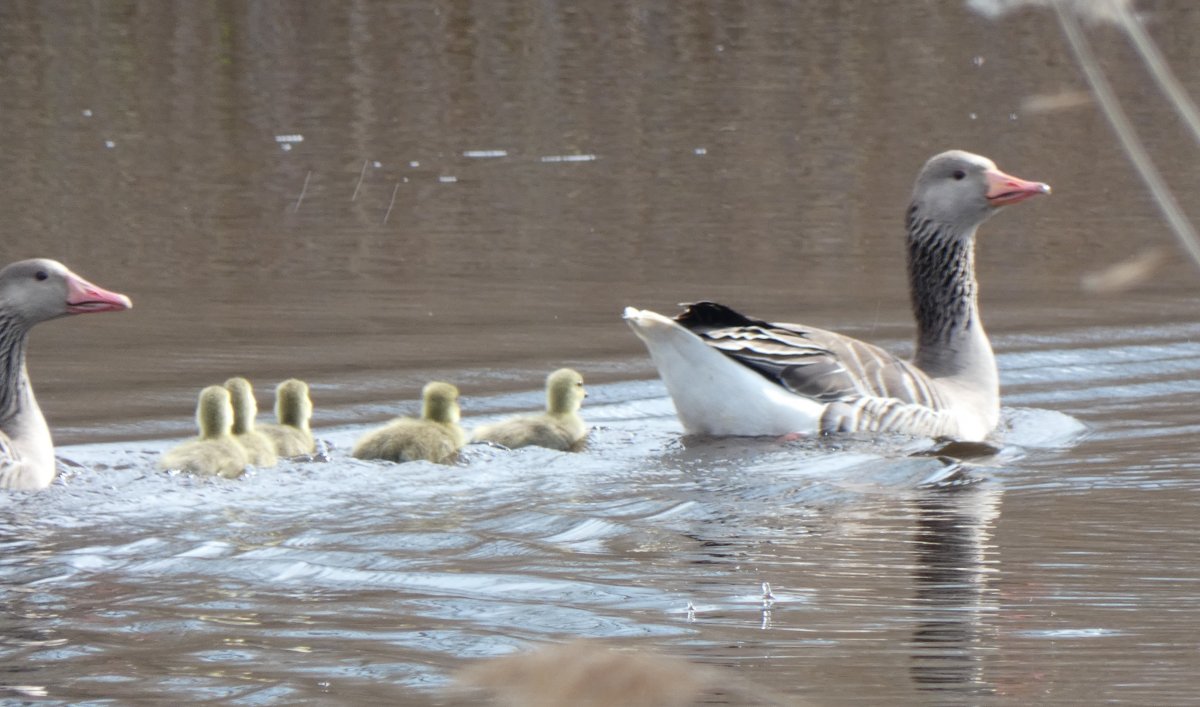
{"x":34,"y":291}
{"x":731,"y":374}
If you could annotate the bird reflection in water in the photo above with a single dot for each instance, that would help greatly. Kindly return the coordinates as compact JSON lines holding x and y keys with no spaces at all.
{"x":954,"y":553}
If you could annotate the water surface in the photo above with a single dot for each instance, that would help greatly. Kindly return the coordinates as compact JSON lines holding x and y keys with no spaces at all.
{"x":477,"y":193}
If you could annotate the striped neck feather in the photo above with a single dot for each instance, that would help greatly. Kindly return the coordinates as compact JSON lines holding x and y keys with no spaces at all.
{"x":941,"y":271}
{"x":13,"y":379}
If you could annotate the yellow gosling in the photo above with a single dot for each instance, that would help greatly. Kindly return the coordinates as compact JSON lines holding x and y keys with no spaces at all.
{"x":436,"y":437}
{"x":292,"y":437}
{"x":560,"y":427}
{"x":260,"y":450}
{"x":215,"y":452}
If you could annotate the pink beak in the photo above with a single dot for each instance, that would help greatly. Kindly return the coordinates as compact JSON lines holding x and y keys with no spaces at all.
{"x":1006,"y":189}
{"x":83,"y":297}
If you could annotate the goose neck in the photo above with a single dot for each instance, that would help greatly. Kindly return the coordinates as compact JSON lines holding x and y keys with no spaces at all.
{"x":941,"y":269}
{"x":14,"y":381}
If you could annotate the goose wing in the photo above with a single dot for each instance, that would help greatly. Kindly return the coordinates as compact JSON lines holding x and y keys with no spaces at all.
{"x":814,"y":363}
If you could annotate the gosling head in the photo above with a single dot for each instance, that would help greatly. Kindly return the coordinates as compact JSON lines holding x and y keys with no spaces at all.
{"x":293,"y":407}
{"x":564,"y":392}
{"x":214,"y":413}
{"x":440,"y":403}
{"x":245,"y":409}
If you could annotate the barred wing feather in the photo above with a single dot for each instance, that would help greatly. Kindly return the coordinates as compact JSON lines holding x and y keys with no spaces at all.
{"x":10,"y":464}
{"x":787,"y":358}
{"x":868,"y":414}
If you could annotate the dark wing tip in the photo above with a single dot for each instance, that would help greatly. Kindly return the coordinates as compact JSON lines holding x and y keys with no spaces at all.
{"x":711,"y":315}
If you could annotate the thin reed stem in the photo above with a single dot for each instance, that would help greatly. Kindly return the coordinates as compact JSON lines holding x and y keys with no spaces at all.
{"x":1160,"y":69}
{"x":1134,"y":149}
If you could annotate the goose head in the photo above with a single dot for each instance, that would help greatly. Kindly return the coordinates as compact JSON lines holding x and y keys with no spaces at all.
{"x":564,"y":392}
{"x":961,"y":190}
{"x":245,"y":408}
{"x":292,"y":404}
{"x":40,"y":289}
{"x":440,"y":403}
{"x":214,"y":413}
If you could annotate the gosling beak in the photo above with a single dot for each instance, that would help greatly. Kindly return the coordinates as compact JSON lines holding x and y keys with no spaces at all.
{"x":1004,"y":189}
{"x":84,"y":298}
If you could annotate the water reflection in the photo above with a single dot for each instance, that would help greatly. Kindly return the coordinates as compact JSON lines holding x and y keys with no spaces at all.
{"x":26,"y":620}
{"x":954,"y":559}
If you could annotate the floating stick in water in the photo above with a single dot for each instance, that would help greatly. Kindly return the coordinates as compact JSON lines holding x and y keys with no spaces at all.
{"x":392,"y":202}
{"x":361,"y":176}
{"x":303,"y":191}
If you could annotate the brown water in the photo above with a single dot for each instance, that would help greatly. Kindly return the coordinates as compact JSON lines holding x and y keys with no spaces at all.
{"x":479,"y":190}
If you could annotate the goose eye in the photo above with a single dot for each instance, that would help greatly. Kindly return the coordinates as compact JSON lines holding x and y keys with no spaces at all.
{"x":41,"y":275}
{"x":959,"y":174}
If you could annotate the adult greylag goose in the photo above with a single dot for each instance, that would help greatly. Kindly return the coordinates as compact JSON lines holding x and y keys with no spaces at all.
{"x":293,"y":411}
{"x":215,"y":452}
{"x":33,"y":291}
{"x":260,"y":450}
{"x":436,"y":437}
{"x":559,"y":428}
{"x":729,"y":374}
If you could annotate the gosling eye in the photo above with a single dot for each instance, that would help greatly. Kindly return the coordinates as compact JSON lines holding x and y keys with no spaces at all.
{"x":41,"y":275}
{"x":959,"y":174}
